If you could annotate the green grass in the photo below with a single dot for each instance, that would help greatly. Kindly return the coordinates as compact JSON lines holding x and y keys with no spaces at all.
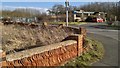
{"x":94,"y":54}
{"x":75,"y":23}
{"x":114,"y":27}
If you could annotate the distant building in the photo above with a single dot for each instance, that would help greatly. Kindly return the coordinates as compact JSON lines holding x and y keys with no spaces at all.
{"x":81,"y":15}
{"x":19,"y":19}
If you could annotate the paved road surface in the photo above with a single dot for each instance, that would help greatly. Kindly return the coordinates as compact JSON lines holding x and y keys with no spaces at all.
{"x":109,"y":39}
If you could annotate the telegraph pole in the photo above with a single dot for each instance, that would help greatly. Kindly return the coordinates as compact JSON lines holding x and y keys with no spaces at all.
{"x":67,"y":6}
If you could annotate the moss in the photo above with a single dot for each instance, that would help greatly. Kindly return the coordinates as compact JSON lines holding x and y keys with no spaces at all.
{"x":94,"y":54}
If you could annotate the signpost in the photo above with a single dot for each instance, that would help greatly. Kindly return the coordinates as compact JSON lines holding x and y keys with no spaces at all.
{"x":67,"y":6}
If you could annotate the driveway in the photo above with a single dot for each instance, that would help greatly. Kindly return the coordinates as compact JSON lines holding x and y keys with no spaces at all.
{"x":109,"y":39}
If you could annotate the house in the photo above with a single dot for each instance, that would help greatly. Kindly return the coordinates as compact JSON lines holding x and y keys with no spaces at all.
{"x":81,"y":15}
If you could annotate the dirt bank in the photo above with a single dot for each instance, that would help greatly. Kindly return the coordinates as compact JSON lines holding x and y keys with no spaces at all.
{"x":16,"y":38}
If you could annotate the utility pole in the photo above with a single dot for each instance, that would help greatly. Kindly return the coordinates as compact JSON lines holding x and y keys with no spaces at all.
{"x":67,"y":6}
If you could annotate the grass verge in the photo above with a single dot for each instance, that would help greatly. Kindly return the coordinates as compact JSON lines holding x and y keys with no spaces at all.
{"x":73,"y":23}
{"x":114,"y":27}
{"x":95,"y":53}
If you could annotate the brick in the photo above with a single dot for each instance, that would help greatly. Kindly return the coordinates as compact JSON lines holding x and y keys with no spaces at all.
{"x":46,"y":62}
{"x":33,"y":61}
{"x":26,"y":61}
{"x":36,"y":60}
{"x":9,"y":63}
{"x":34,"y":57}
{"x":67,"y":54}
{"x":59,"y":58}
{"x":40,"y":56}
{"x":52,"y":61}
{"x":43,"y":56}
{"x":46,"y":54}
{"x":0,"y":63}
{"x":39,"y":63}
{"x":62,"y":50}
{"x":64,"y":57}
{"x":3,"y":54}
{"x":52,"y":57}
{"x":82,"y":31}
{"x":73,"y":54}
{"x":3,"y":63}
{"x":50,"y":53}
{"x":58,"y":51}
{"x":23,"y":62}
{"x":80,"y":44}
{"x":71,"y":47}
{"x":55,"y":51}
{"x":17,"y":63}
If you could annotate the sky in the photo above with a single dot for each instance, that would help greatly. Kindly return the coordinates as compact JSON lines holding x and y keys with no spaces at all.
{"x":39,"y":4}
{"x":59,"y":0}
{"x":43,"y":4}
{"x":47,"y":3}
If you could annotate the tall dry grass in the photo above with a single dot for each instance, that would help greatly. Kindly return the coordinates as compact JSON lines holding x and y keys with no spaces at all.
{"x":16,"y":37}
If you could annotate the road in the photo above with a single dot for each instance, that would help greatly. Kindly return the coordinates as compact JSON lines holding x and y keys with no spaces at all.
{"x":109,"y":39}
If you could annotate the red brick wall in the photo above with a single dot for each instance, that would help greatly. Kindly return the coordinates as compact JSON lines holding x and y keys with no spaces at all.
{"x":48,"y":58}
{"x":53,"y":57}
{"x":2,"y":58}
